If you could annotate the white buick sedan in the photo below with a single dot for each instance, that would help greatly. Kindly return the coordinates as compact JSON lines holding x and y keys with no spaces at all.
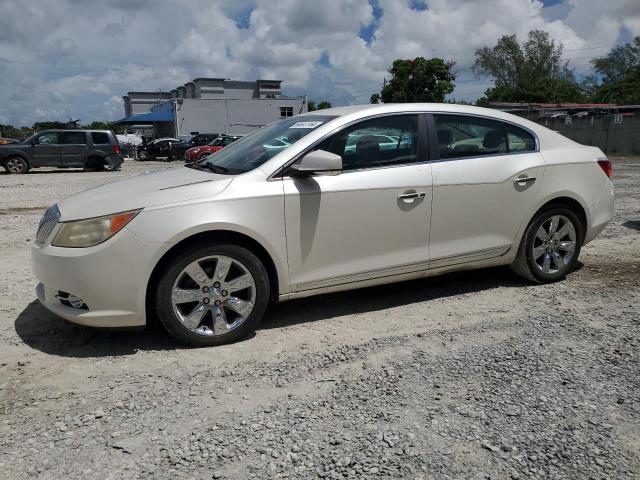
{"x":355,"y":196}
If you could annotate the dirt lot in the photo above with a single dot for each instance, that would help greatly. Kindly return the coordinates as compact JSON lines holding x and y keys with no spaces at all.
{"x":472,"y":375}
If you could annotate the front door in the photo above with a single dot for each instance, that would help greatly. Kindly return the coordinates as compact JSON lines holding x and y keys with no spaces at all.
{"x":46,"y":150}
{"x":483,"y":184}
{"x":369,"y":221}
{"x":73,"y":149}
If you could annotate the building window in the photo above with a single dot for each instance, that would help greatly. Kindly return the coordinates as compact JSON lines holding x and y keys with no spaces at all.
{"x":286,"y":111}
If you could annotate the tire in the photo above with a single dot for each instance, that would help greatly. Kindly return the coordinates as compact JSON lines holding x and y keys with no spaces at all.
{"x":144,"y":156}
{"x":94,"y":164}
{"x":206,"y":311}
{"x":547,"y":254}
{"x":17,"y":165}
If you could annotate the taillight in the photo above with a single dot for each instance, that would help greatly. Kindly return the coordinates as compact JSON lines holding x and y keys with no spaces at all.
{"x":605,"y":165}
{"x":116,"y":148}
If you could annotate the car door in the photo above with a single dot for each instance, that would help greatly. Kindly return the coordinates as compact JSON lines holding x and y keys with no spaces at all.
{"x":369,"y":221}
{"x":73,"y":149}
{"x":485,"y":180}
{"x":46,"y":150}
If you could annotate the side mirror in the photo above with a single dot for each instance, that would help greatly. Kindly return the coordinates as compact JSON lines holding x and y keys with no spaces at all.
{"x":33,"y":143}
{"x":318,"y":162}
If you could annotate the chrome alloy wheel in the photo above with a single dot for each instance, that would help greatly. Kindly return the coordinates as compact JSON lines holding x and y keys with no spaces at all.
{"x":554,"y":244}
{"x":213,"y":295}
{"x":15,"y":165}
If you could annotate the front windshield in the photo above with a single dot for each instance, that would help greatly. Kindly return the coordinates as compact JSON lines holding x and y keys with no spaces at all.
{"x":255,"y":149}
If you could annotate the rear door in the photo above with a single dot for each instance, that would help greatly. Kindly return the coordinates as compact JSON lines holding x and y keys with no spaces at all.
{"x":46,"y":150}
{"x":486,"y":178}
{"x":73,"y":149}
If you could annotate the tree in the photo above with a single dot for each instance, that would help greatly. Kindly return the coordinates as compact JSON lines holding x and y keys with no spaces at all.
{"x":620,"y":74}
{"x":619,"y":62}
{"x":532,"y":72}
{"x":417,"y":80}
{"x":311,"y":105}
{"x":625,"y":91}
{"x":47,"y":125}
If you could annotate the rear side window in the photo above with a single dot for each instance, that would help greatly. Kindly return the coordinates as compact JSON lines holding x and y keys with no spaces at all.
{"x":100,"y":138}
{"x":464,"y":136}
{"x":378,"y":142}
{"x":74,"y":138}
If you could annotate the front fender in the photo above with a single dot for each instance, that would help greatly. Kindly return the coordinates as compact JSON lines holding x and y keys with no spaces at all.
{"x":261,"y":219}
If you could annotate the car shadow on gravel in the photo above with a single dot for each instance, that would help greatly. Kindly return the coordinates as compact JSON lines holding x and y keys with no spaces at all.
{"x":388,"y":296}
{"x":44,"y":331}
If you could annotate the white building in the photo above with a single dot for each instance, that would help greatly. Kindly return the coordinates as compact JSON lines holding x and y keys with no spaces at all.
{"x":210,"y":105}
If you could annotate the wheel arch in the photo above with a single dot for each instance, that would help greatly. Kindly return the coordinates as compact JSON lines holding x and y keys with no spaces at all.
{"x":226,"y":236}
{"x":9,"y":155}
{"x":570,"y":202}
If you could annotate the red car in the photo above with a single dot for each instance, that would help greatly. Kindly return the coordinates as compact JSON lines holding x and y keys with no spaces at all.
{"x":195,"y":154}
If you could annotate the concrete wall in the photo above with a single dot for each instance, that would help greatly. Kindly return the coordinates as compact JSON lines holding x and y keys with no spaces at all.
{"x":235,"y":117}
{"x":602,"y":132}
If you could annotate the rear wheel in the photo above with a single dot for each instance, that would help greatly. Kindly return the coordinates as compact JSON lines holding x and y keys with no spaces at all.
{"x":144,"y":156}
{"x":550,"y":246}
{"x":213,"y":295}
{"x":16,"y":165}
{"x":95,"y":164}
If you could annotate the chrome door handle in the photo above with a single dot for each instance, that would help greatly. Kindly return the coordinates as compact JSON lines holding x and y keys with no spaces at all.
{"x":410,"y":197}
{"x":524,"y":180}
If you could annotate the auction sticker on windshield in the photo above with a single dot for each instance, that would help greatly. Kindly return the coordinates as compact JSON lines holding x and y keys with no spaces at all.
{"x":306,"y":124}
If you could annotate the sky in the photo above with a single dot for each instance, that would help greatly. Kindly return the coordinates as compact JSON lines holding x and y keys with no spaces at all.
{"x":77,"y":58}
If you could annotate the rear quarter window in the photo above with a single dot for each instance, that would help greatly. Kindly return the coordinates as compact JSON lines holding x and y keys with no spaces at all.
{"x":100,"y":138}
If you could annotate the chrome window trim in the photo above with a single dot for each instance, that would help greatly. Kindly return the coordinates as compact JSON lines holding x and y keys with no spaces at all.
{"x":429,"y":125}
{"x":274,"y":175}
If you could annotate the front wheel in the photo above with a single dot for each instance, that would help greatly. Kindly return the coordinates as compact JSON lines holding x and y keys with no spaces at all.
{"x":16,"y":165}
{"x":212,"y":295}
{"x":550,"y":245}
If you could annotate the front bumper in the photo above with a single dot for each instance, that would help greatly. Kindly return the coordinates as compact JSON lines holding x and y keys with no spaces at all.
{"x":111,"y":279}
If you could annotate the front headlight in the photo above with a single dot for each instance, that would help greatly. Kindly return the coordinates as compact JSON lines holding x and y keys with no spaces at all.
{"x":92,"y":231}
{"x":195,"y":150}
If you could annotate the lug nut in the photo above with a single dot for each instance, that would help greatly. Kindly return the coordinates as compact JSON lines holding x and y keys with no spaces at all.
{"x":224,"y":293}
{"x":216,"y":285}
{"x":205,"y":289}
{"x":217,"y":303}
{"x":205,"y":300}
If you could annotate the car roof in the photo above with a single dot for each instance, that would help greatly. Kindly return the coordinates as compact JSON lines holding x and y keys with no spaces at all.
{"x":73,"y":130}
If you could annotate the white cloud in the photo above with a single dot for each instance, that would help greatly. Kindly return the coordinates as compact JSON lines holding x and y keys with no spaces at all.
{"x":78,"y":58}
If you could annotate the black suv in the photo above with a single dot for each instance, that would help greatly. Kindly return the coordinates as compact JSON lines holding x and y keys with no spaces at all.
{"x":94,"y":149}
{"x":177,"y":150}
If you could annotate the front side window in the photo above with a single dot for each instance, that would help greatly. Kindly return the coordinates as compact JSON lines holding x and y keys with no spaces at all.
{"x":74,"y":138}
{"x":377,"y":142}
{"x":49,"y":138}
{"x":465,"y":136}
{"x":251,"y":151}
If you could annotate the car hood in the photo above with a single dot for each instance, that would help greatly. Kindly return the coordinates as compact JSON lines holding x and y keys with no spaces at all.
{"x":144,"y":190}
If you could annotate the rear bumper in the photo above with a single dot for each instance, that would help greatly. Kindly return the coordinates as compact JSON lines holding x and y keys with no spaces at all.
{"x":601,"y":212}
{"x":114,"y":161}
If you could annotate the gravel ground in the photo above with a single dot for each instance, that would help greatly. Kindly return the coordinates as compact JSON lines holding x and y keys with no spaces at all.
{"x":463,"y":376}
